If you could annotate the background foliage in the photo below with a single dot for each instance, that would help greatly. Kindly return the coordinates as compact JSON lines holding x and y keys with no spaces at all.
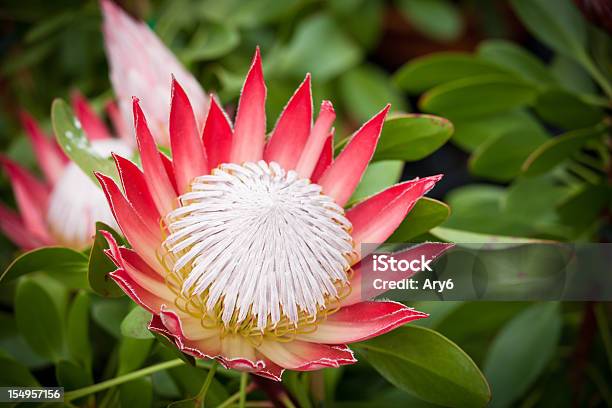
{"x":525,"y":87}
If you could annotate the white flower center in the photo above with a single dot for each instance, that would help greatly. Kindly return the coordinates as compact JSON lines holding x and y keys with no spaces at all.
{"x":257,"y":243}
{"x":76,"y":203}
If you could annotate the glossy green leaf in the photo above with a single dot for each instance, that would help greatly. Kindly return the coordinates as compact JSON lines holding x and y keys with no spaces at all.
{"x":412,"y":137}
{"x":515,"y":59}
{"x":426,"y":214}
{"x":483,"y":95}
{"x":39,"y":318}
{"x":14,"y":374}
{"x":210,"y":41}
{"x":428,"y":365}
{"x":501,"y":158}
{"x":571,"y":75}
{"x":14,"y":345}
{"x":566,"y":110}
{"x":557,"y":23}
{"x":521,"y":351}
{"x":366,"y":89}
{"x":319,"y":47}
{"x":64,"y":264}
{"x":77,"y":331}
{"x":377,"y":177}
{"x":136,"y":323}
{"x":423,"y":73}
{"x":438,"y":19}
{"x":74,"y":142}
{"x":470,"y":133}
{"x":558,"y":149}
{"x":137,"y":393}
{"x":100,"y":265}
{"x":189,"y":379}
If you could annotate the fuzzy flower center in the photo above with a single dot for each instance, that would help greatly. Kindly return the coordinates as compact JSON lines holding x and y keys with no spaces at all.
{"x":258,"y":246}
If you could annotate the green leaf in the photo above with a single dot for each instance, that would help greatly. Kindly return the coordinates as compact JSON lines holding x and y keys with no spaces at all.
{"x":77,"y":330}
{"x":64,"y":264}
{"x":558,"y":149}
{"x":377,"y":177}
{"x":136,"y":324}
{"x":100,"y":265}
{"x":426,"y":214}
{"x":458,"y":236}
{"x":438,"y":19}
{"x":13,"y":374}
{"x":584,"y":207}
{"x":366,"y":89}
{"x":521,"y":351}
{"x":571,"y":75}
{"x":71,"y":375}
{"x":515,"y":59}
{"x":319,"y":47}
{"x":483,"y":95}
{"x":423,"y":73}
{"x":109,"y":313}
{"x":132,"y":354}
{"x":428,"y":365}
{"x":74,"y":142}
{"x":412,"y":137}
{"x":171,"y":347}
{"x":501,"y":158}
{"x":189,"y":379}
{"x":557,"y":23}
{"x":470,"y":133}
{"x":210,"y":41}
{"x":39,"y":318}
{"x":137,"y":393}
{"x":14,"y":345}
{"x":566,"y":110}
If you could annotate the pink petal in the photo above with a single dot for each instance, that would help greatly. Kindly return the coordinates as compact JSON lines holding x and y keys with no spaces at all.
{"x":317,"y":142}
{"x":141,"y":65}
{"x":137,"y":293}
{"x":93,"y":126}
{"x":360,"y":293}
{"x":325,"y":159}
{"x":144,"y":238}
{"x":217,"y":135}
{"x":232,"y":351}
{"x":342,"y":177}
{"x":137,"y":191}
{"x":305,"y":356}
{"x":250,"y":127}
{"x":32,"y":197}
{"x":188,"y":155}
{"x":361,"y":321}
{"x":13,"y":227}
{"x":138,"y":270}
{"x":120,"y":126}
{"x":169,"y":167}
{"x":50,"y":159}
{"x":160,"y":186}
{"x":291,"y":132}
{"x":375,"y":219}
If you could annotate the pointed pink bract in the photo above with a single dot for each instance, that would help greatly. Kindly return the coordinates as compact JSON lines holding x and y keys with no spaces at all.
{"x":291,"y":132}
{"x":250,"y":124}
{"x":217,"y":135}
{"x":342,"y":177}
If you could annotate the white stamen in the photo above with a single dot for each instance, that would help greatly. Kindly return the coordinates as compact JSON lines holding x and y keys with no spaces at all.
{"x":76,"y":203}
{"x":260,"y":240}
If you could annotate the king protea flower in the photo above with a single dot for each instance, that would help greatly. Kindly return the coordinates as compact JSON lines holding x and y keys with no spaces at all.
{"x":63,"y":208}
{"x":241,"y":247}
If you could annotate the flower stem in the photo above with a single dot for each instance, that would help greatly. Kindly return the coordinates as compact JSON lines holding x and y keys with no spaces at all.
{"x":201,"y":397}
{"x":234,"y":397}
{"x":92,"y":389}
{"x":244,"y":377}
